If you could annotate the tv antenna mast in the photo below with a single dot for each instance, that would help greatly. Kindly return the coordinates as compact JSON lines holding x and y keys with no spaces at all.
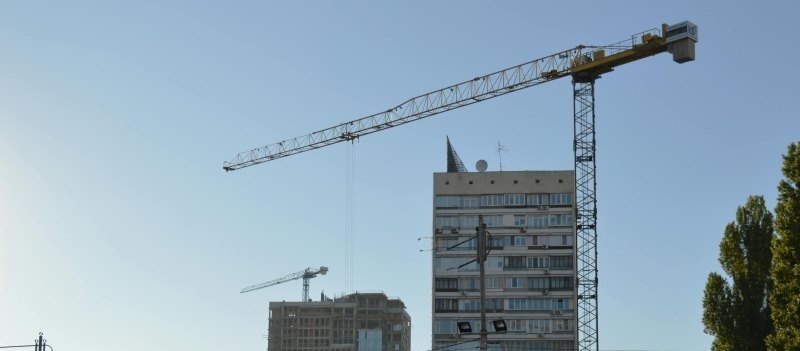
{"x":500,"y":149}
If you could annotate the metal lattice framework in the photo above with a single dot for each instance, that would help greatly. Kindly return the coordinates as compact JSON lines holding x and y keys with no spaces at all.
{"x":586,"y":213}
{"x":584,"y":64}
{"x":306,"y":274}
{"x":454,"y":163}
{"x":462,"y":94}
{"x":577,"y":60}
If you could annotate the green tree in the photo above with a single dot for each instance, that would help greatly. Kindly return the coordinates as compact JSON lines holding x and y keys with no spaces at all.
{"x":737,"y":313}
{"x":785,"y":297}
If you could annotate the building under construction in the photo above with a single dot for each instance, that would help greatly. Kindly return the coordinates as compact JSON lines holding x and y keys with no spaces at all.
{"x":357,"y":322}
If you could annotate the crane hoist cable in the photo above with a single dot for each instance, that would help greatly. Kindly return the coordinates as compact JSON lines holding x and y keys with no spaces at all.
{"x":350,"y":216}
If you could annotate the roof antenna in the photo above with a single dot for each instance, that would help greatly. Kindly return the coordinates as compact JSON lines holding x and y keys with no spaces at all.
{"x":500,"y":149}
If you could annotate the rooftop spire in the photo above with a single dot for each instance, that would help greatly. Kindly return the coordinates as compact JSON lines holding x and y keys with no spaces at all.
{"x":454,"y":164}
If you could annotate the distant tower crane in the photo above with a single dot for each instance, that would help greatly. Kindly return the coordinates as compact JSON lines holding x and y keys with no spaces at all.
{"x":584,"y":64}
{"x":306,"y":274}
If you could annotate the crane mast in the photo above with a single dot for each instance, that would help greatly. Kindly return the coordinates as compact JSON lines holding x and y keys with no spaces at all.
{"x":584,"y":64}
{"x":306,"y":274}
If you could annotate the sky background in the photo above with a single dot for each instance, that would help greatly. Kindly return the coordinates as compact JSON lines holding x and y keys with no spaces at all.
{"x":119,"y":227}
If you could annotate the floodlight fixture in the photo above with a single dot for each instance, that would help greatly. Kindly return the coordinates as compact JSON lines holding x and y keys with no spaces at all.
{"x":500,"y":326}
{"x":464,"y":327}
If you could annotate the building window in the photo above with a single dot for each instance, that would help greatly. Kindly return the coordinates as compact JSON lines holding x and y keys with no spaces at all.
{"x":446,"y":284}
{"x":539,"y":345}
{"x":538,"y":200}
{"x":494,"y":305}
{"x":493,"y":221}
{"x":515,"y":262}
{"x":561,"y":304}
{"x":443,"y":244}
{"x":469,"y":284}
{"x":538,"y":284}
{"x":446,"y":222}
{"x":496,"y":243}
{"x":562,"y":325}
{"x":447,"y":201}
{"x":515,"y":199}
{"x":561,"y":261}
{"x":515,"y":283}
{"x":537,"y":221}
{"x":469,"y":222}
{"x":444,"y":326}
{"x":493,"y":283}
{"x":470,"y":202}
{"x":537,"y":304}
{"x":561,"y":220}
{"x":469,"y":305}
{"x":520,"y":241}
{"x":554,"y":240}
{"x":446,"y":305}
{"x":561,"y":283}
{"x":491,"y":200}
{"x":538,"y":262}
{"x":516,"y":240}
{"x":515,"y":325}
{"x":539,"y":326}
{"x":494,"y":263}
{"x":469,"y":267}
{"x":470,"y":245}
{"x":520,"y":220}
{"x":447,"y":263}
{"x":561,"y":199}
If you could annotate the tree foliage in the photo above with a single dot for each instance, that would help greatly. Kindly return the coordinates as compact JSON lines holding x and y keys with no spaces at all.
{"x":737,"y":313}
{"x":785,"y":297}
{"x":718,"y":313}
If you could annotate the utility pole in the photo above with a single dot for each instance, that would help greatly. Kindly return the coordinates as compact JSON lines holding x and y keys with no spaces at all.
{"x":481,"y":259}
{"x":40,"y":344}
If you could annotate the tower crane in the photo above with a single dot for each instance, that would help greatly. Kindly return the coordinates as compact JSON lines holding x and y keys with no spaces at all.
{"x":306,"y":274}
{"x":584,"y":64}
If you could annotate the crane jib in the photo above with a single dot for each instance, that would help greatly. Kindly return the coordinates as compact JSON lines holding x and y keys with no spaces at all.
{"x":580,"y":62}
{"x":306,"y":274}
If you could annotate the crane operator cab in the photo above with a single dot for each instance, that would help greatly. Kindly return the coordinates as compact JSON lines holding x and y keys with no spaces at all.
{"x":680,"y":41}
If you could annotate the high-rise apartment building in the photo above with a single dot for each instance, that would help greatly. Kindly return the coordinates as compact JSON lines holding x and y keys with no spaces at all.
{"x":355,"y":322}
{"x":530,"y":270}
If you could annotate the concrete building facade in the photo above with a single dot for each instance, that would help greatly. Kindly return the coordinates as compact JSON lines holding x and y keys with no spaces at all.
{"x":355,"y":322}
{"x":530,"y":271}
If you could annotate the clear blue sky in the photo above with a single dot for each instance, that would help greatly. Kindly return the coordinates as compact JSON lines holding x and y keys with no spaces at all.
{"x":118,"y":225}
